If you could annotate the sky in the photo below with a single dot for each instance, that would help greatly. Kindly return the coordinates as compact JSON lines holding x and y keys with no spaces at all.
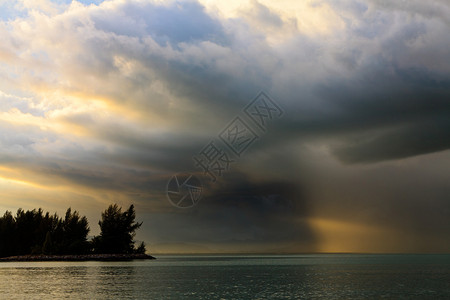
{"x":105,"y":101}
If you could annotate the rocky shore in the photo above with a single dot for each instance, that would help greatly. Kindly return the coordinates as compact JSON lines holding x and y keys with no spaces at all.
{"x":85,"y":257}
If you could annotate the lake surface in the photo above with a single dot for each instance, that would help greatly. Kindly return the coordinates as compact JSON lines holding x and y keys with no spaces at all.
{"x":318,"y":276}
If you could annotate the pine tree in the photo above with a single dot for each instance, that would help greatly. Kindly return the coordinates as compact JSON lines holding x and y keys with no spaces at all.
{"x":117,"y":231}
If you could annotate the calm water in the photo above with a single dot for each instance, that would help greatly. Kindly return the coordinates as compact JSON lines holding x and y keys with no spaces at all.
{"x":233,"y":277}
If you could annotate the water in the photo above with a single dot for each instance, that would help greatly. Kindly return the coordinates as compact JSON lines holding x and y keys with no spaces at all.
{"x":337,"y":276}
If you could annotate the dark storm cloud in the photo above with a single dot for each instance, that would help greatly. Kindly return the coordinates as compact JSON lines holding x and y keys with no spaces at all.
{"x":239,"y":210}
{"x":375,"y":90}
{"x":406,"y":113}
{"x":408,"y":198}
{"x":420,"y":138}
{"x":398,"y":92}
{"x":378,"y":104}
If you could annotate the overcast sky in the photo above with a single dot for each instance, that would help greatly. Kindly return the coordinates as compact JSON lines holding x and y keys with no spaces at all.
{"x":104,"y":101}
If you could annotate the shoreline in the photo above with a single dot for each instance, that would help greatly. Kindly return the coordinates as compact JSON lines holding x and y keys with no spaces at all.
{"x":82,"y":257}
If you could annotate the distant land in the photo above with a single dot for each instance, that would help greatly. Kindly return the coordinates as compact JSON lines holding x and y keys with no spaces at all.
{"x":33,"y":235}
{"x":83,"y":257}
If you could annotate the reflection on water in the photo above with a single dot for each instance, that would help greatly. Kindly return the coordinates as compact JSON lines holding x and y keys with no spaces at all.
{"x":233,"y":277}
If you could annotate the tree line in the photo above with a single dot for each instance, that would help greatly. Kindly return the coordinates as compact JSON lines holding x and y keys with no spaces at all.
{"x":36,"y":232}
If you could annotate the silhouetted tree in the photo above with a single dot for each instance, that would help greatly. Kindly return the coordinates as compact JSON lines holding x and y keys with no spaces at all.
{"x":75,"y":230}
{"x":27,"y":235}
{"x":7,"y":234}
{"x":32,"y":232}
{"x":117,"y":231}
{"x":141,"y":249}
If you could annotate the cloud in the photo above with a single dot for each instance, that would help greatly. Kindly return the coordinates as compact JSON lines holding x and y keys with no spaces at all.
{"x":413,"y":140}
{"x":261,"y":216}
